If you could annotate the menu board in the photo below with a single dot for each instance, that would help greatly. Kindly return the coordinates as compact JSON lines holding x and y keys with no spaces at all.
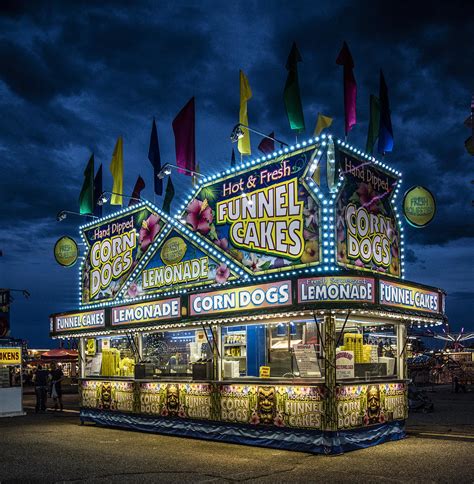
{"x":307,"y":360}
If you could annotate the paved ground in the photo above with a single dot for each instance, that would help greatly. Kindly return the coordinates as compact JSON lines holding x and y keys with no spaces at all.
{"x":52,"y":447}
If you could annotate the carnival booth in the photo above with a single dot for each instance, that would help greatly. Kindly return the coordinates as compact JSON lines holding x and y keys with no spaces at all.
{"x":271,"y":310}
{"x":11,"y":391}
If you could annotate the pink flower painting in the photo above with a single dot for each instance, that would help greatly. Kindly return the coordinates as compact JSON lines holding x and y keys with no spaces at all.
{"x":149,"y":230}
{"x":222,"y":273}
{"x":199,"y":216}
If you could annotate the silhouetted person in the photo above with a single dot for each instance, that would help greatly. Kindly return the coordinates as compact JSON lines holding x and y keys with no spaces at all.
{"x":41,"y":388}
{"x":57,"y":376}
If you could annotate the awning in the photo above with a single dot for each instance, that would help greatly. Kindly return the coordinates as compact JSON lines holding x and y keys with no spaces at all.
{"x":59,"y":354}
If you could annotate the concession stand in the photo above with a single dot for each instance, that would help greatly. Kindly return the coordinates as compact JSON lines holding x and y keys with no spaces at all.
{"x":270,"y":310}
{"x":11,"y":388}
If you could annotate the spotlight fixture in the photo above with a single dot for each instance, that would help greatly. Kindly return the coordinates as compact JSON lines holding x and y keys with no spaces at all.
{"x":238,"y":133}
{"x":167,"y":169}
{"x":62,"y":215}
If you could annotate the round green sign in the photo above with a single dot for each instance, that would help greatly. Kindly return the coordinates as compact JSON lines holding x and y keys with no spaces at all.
{"x":66,"y":251}
{"x":419,"y":206}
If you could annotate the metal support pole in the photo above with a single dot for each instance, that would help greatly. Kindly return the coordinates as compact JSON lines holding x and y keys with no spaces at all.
{"x":82,"y":357}
{"x":330,"y":414}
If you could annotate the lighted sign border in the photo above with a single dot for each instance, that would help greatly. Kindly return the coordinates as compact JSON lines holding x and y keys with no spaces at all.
{"x":350,"y":150}
{"x":329,"y":211}
{"x":99,"y":222}
{"x":411,"y":223}
{"x":170,"y":223}
{"x":305,"y":179}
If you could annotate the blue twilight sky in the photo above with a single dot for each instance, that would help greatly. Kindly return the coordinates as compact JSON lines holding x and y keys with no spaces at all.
{"x":74,"y":75}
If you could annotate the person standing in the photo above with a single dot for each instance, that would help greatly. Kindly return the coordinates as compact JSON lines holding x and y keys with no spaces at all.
{"x":41,"y":388}
{"x":57,"y":376}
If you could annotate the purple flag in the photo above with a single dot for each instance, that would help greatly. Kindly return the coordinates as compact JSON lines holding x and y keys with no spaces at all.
{"x":267,"y":145}
{"x":184,"y":138}
{"x":350,"y":87}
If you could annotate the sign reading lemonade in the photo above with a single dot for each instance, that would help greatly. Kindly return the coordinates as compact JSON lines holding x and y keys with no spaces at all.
{"x":178,"y":263}
{"x":265,"y":218}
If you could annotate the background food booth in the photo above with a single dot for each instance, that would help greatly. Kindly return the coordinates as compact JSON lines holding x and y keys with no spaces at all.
{"x":271,"y":310}
{"x":11,"y":394}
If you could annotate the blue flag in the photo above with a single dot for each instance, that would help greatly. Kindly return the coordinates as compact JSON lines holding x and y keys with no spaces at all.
{"x":155,"y":159}
{"x":385,"y":126}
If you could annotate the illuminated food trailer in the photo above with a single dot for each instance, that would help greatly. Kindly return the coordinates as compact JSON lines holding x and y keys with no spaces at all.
{"x":271,"y":310}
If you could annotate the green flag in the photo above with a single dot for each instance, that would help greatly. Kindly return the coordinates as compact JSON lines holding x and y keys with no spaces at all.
{"x":294,"y":110}
{"x":86,"y":198}
{"x":374,"y":122}
{"x":169,"y":195}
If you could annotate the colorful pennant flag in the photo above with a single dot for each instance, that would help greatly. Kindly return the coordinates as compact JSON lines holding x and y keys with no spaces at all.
{"x":232,"y":158}
{"x":267,"y":145}
{"x":86,"y":198}
{"x":374,"y":124}
{"x":169,"y":195}
{"x":469,"y":145}
{"x":139,"y":186}
{"x":116,"y":168}
{"x":155,"y":159}
{"x":98,"y":192}
{"x":350,"y":87}
{"x":322,"y":123}
{"x":184,"y":138}
{"x":243,"y":144}
{"x":385,"y":125}
{"x":291,"y":94}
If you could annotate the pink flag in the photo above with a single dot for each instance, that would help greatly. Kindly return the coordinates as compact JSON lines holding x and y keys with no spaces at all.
{"x":184,"y":138}
{"x":350,"y":87}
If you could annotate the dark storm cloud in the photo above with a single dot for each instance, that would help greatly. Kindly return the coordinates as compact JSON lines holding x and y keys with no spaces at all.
{"x":74,"y":75}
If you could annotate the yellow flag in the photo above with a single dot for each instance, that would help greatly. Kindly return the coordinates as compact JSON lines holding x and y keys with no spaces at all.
{"x":323,"y":122}
{"x":116,"y":168}
{"x":245,"y":94}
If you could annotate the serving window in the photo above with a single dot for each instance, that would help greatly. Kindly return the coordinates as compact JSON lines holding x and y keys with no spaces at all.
{"x":110,"y":356}
{"x":366,"y":350}
{"x":283,"y":350}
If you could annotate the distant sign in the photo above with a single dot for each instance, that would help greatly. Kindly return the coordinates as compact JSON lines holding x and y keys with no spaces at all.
{"x":419,"y":206}
{"x":10,"y":356}
{"x":66,"y":251}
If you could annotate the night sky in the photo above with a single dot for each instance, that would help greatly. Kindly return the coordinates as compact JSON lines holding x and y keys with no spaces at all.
{"x":76,"y":75}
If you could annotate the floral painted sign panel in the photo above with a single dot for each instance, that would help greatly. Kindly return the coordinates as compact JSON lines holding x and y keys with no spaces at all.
{"x":114,"y":248}
{"x":367,"y":232}
{"x":265,"y":218}
{"x":178,"y":263}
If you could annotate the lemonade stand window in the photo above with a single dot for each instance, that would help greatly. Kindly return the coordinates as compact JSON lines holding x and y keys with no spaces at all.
{"x":110,"y":356}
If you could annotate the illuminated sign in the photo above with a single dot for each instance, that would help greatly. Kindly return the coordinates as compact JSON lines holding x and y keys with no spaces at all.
{"x":66,"y":251}
{"x":265,"y":218}
{"x":178,"y":262}
{"x":419,"y":206}
{"x":114,"y":248}
{"x":10,"y":356}
{"x":241,"y":298}
{"x":147,"y":312}
{"x":409,"y":297}
{"x":366,"y":226}
{"x":336,"y":289}
{"x":78,"y":321}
